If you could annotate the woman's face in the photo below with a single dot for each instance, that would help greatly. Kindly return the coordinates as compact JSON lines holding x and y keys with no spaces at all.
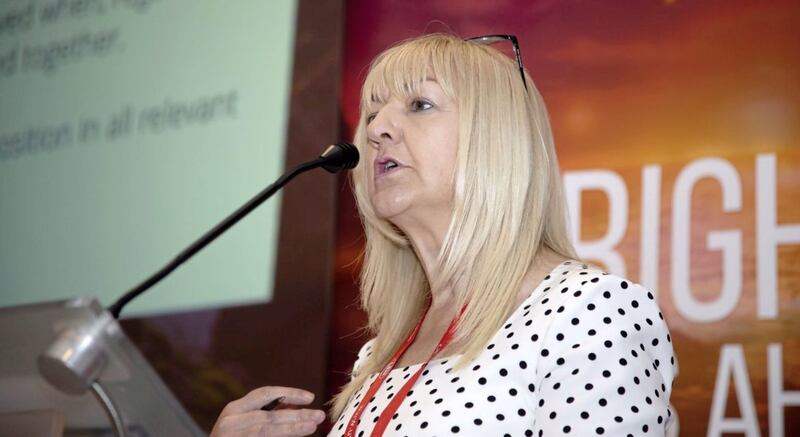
{"x":412,"y":151}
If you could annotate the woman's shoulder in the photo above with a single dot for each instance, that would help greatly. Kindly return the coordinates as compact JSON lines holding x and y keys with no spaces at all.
{"x":582,"y":298}
{"x":576,"y":284}
{"x":604,"y":339}
{"x":578,"y":306}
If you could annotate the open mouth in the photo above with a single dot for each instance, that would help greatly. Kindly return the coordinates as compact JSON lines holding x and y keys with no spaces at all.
{"x":386,"y":166}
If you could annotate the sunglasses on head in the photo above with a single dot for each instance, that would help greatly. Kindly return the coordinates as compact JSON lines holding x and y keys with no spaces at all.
{"x":491,"y":39}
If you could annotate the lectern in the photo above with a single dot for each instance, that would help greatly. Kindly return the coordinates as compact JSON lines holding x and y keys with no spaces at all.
{"x":67,"y":368}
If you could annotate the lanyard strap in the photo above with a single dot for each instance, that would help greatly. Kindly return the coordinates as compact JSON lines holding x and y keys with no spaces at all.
{"x":394,"y":404}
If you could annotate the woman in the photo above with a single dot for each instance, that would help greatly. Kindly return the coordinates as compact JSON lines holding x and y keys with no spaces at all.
{"x":484,"y":324}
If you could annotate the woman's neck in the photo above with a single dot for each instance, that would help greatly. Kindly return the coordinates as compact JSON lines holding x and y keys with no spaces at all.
{"x":427,"y":239}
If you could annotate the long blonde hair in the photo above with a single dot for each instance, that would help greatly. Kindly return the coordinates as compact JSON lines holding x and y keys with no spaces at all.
{"x":508,"y":201}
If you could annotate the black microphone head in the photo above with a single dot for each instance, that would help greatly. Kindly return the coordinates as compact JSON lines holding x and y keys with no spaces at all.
{"x":339,"y":156}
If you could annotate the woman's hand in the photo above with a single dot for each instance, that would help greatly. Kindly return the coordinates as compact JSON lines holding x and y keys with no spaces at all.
{"x":244,"y":417}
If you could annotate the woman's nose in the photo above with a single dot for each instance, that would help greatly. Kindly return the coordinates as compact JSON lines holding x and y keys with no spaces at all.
{"x":384,"y":129}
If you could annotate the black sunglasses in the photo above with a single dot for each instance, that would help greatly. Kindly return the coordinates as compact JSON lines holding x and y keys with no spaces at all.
{"x":491,"y":39}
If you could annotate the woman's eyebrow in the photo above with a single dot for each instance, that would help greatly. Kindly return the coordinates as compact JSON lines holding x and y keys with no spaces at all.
{"x":376,"y":98}
{"x":410,"y":86}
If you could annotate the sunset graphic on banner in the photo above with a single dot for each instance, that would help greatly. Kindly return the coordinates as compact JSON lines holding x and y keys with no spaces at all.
{"x":677,"y":126}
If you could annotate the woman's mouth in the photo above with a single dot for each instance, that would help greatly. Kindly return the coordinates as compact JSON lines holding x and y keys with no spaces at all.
{"x":386,"y":166}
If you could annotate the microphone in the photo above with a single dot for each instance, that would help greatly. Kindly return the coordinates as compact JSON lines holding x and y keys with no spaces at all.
{"x":340,"y":156}
{"x":336,"y":157}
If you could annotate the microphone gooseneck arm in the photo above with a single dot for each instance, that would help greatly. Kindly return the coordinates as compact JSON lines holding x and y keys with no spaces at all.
{"x":334,"y":158}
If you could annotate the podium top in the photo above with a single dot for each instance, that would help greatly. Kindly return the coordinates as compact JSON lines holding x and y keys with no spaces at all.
{"x":145,"y":403}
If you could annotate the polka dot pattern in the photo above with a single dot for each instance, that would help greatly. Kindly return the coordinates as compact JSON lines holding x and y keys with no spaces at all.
{"x":587,"y":353}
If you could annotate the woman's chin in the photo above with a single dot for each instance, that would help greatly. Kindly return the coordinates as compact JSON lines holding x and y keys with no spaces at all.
{"x":389,"y":207}
{"x":389,"y":212}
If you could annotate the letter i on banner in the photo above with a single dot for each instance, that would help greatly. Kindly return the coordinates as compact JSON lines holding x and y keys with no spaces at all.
{"x":650,"y":225}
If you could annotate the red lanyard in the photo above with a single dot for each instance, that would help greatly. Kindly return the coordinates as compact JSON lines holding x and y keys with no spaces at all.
{"x":394,"y":404}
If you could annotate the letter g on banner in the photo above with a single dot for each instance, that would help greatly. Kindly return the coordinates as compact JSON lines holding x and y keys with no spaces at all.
{"x":729,"y":241}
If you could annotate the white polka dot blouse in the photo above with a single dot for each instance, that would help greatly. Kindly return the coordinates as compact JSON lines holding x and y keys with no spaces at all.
{"x":587,"y":353}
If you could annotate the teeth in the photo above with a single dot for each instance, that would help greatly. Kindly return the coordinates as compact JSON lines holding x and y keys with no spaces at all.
{"x":389,"y":165}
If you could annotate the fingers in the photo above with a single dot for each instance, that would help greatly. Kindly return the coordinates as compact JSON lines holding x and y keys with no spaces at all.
{"x":257,"y":417}
{"x":264,"y":395}
{"x":294,"y":416}
{"x":281,"y":430}
{"x":244,"y":416}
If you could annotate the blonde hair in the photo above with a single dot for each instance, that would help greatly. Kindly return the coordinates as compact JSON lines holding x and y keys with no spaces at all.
{"x":507,"y":198}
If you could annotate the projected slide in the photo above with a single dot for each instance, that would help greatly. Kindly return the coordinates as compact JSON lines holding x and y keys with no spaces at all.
{"x":127,"y":129}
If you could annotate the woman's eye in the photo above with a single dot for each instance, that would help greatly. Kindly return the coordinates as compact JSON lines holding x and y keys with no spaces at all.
{"x":371,"y":117}
{"x":420,"y":105}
